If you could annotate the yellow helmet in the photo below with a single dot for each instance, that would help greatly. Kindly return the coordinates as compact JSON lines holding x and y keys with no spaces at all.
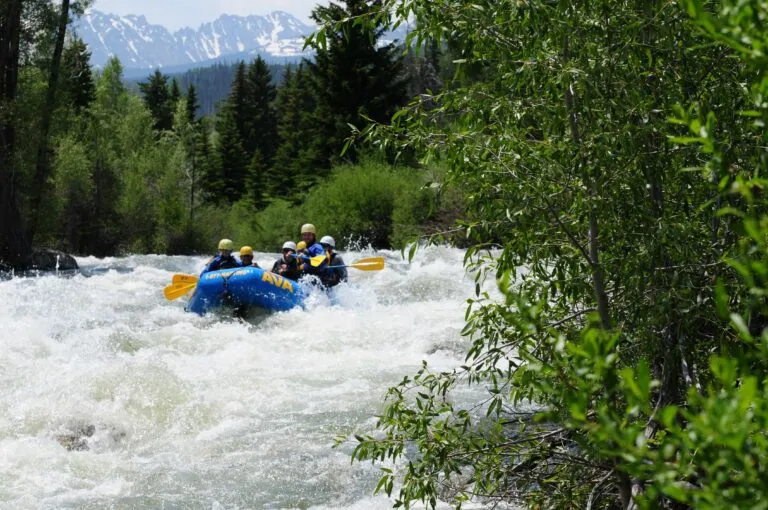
{"x":226,"y":244}
{"x":301,"y":246}
{"x":308,"y":227}
{"x":246,"y":250}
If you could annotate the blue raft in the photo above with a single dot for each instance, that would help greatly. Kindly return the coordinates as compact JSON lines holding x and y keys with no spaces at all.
{"x":245,"y":286}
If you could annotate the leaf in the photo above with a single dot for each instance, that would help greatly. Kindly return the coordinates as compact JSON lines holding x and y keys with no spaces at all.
{"x":675,"y":492}
{"x":320,"y":39}
{"x":747,"y":393}
{"x":668,"y":416}
{"x":741,"y":327}
{"x":644,"y":379}
{"x":721,"y":299}
{"x":412,"y":251}
{"x":686,"y":140}
{"x":502,"y":282}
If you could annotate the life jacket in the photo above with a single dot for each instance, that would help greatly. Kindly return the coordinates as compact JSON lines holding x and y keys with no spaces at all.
{"x":292,"y":270}
{"x":220,"y":262}
{"x":333,"y":275}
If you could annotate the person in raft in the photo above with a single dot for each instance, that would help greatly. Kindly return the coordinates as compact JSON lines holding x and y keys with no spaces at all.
{"x":288,"y":265}
{"x":336,"y":271}
{"x":246,"y":257}
{"x":314,"y":250}
{"x":223,"y":259}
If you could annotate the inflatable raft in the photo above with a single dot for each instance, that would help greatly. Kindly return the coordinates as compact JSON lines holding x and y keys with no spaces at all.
{"x":245,"y":286}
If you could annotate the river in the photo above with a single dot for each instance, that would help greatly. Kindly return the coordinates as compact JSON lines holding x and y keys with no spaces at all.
{"x":170,"y":410}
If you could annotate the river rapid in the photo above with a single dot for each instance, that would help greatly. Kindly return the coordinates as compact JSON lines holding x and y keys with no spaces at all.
{"x":165,"y":409}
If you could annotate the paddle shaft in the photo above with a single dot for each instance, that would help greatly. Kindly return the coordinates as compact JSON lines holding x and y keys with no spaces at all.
{"x":369,"y":264}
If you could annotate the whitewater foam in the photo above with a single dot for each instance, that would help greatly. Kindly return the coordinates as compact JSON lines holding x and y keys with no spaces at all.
{"x":208,"y":412}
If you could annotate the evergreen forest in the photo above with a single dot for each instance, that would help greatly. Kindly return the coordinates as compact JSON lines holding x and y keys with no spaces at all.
{"x":212,"y":84}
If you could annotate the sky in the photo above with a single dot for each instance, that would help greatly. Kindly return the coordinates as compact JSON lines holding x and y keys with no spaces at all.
{"x":175,"y":14}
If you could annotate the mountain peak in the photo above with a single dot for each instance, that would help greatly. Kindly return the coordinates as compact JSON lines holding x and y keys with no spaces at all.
{"x":142,"y":45}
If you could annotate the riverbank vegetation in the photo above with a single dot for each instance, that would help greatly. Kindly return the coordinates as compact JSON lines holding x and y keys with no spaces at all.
{"x":90,"y":165}
{"x":616,"y":151}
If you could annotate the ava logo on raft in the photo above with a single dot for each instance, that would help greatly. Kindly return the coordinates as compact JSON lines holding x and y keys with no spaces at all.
{"x":271,"y":278}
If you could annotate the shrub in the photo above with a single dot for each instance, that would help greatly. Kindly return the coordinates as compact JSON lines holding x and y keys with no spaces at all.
{"x":371,"y":202}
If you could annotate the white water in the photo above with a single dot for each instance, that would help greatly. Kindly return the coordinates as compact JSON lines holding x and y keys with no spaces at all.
{"x":211,"y":413}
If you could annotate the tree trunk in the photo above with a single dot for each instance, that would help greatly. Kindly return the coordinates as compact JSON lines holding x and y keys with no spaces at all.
{"x":598,"y":275}
{"x":42,"y":169}
{"x":14,"y":245}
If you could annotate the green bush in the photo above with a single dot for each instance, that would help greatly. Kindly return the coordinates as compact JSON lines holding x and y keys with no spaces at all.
{"x":265,"y":230}
{"x":278,"y":223}
{"x":371,"y":203}
{"x":211,"y":224}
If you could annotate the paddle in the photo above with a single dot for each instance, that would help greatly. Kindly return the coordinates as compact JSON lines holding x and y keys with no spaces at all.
{"x":369,"y":264}
{"x":176,"y":290}
{"x":184,"y":278}
{"x":315,"y":261}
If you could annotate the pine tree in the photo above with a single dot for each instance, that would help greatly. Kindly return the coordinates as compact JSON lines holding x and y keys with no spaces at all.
{"x":236,"y":104}
{"x":298,"y":159}
{"x":210,"y":170}
{"x":158,"y":100}
{"x":78,"y":86}
{"x":353,"y":76}
{"x":175,"y":93}
{"x":257,"y":173}
{"x":192,"y":104}
{"x":232,"y":127}
{"x":232,"y":158}
{"x":422,"y":75}
{"x":261,"y":125}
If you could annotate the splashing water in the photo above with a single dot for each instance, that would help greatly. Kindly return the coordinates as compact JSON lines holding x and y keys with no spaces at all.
{"x":111,"y":396}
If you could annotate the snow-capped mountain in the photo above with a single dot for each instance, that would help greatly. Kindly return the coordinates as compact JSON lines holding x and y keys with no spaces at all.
{"x":141,"y":45}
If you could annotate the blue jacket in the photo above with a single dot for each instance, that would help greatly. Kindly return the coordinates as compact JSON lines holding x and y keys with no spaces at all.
{"x":221,"y":262}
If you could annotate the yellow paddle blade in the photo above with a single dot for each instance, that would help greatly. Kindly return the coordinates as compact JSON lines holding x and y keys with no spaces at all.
{"x":316,"y":261}
{"x":176,"y":290}
{"x":370,"y":264}
{"x":184,"y":278}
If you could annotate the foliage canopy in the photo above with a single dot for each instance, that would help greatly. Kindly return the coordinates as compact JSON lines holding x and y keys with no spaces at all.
{"x":614,"y":153}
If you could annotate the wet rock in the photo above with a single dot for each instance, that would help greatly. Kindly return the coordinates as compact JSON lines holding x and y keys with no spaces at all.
{"x":43,"y":259}
{"x":81,"y":436}
{"x":72,"y":443}
{"x":78,"y":440}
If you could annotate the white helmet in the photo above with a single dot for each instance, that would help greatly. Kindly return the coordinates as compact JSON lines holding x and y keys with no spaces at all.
{"x":329,"y":241}
{"x":289,"y":245}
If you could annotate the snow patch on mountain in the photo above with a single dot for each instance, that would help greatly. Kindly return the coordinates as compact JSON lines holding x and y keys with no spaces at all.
{"x":140,"y":44}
